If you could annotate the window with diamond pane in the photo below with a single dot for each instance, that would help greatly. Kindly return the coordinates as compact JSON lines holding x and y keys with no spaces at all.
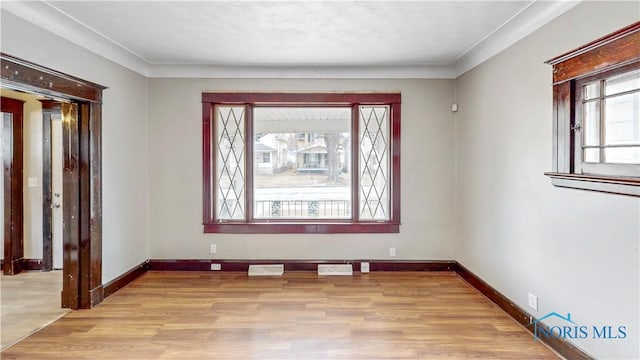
{"x":301,"y":162}
{"x":374,"y":162}
{"x":230,"y":163}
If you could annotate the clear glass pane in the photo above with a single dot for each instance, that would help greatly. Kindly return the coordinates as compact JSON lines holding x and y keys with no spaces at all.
{"x":621,"y":83}
{"x":622,"y":119}
{"x":229,"y":149}
{"x":591,"y":91}
{"x":301,"y":163}
{"x":592,"y":155}
{"x":374,"y":162}
{"x":622,"y":155}
{"x":591,"y":123}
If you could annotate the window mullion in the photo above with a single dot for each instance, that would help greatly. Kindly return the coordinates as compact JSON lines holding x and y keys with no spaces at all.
{"x":209,"y":163}
{"x":394,"y":173}
{"x":355,"y":165}
{"x":602,"y":122}
{"x":575,"y":137}
{"x":249,"y":158}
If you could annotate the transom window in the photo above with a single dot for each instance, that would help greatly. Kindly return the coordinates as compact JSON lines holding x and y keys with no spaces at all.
{"x":319,"y":163}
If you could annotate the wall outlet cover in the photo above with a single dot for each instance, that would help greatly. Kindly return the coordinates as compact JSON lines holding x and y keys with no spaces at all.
{"x":533,"y":301}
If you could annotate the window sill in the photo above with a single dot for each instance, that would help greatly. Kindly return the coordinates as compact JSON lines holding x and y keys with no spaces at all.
{"x":301,"y":228}
{"x":610,"y":185}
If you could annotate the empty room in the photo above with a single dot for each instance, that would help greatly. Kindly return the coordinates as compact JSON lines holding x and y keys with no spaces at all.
{"x":320,"y":179}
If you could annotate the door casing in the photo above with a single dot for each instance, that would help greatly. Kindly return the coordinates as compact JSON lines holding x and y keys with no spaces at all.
{"x":82,"y":178}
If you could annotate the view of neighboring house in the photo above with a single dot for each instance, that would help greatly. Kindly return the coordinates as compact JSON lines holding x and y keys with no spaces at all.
{"x":307,"y":152}
{"x":265,"y":158}
{"x":272,"y":153}
{"x":313,"y":154}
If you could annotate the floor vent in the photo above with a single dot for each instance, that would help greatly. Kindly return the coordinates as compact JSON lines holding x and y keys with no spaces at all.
{"x":266,"y":270}
{"x":338,"y":269}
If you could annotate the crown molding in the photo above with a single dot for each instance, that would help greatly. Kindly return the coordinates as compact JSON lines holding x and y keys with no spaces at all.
{"x":52,"y":20}
{"x":296,"y":71}
{"x":515,"y":29}
{"x":42,"y":14}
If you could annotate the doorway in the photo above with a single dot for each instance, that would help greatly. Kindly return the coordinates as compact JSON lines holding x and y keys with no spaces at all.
{"x":56,"y":189}
{"x":52,"y":184}
{"x":42,"y":168}
{"x":32,"y":299}
{"x":81,"y":197}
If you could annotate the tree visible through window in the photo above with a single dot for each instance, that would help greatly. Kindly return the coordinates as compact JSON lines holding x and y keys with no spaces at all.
{"x":315,"y":163}
{"x":311,"y":179}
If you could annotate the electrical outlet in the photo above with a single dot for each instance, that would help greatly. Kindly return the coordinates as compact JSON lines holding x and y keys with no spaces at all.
{"x":392,"y":251}
{"x":533,"y":302}
{"x":216,"y":267}
{"x":364,"y":267}
{"x":213,"y":248}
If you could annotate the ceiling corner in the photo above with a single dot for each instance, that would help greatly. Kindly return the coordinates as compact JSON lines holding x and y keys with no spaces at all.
{"x":522,"y":25}
{"x":46,"y":16}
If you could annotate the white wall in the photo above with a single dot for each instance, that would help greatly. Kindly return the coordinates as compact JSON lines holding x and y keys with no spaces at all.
{"x":175,"y":181}
{"x":576,"y":250}
{"x":32,"y":167}
{"x":124,"y":167}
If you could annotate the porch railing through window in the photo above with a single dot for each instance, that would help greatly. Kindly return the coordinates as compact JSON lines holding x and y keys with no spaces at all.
{"x":302,"y":209}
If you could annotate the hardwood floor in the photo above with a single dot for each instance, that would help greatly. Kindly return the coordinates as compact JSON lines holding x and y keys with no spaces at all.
{"x":30,"y":300}
{"x":197,"y":315}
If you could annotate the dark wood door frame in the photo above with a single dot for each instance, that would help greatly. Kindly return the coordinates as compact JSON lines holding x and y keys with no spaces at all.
{"x":13,"y":196}
{"x":82,"y":178}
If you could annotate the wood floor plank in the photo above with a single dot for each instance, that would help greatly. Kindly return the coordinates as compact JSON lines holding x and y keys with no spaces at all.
{"x":198,"y":315}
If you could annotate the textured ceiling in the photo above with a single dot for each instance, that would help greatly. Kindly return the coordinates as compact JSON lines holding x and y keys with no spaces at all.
{"x":433,"y":39}
{"x":294,"y":33}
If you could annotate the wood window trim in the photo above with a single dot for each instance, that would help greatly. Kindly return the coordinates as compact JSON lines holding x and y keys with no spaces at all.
{"x":325,"y":226}
{"x":610,"y":52}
